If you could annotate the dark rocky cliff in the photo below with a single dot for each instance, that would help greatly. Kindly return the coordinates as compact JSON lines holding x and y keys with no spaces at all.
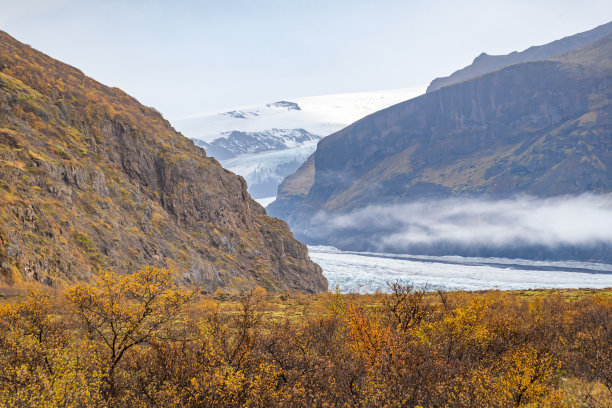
{"x":294,"y":188}
{"x":539,"y":128}
{"x":91,"y":179}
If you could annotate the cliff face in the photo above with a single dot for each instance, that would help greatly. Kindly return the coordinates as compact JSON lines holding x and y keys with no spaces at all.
{"x":539,"y":128}
{"x":294,"y":188}
{"x":486,"y":63}
{"x":91,"y":179}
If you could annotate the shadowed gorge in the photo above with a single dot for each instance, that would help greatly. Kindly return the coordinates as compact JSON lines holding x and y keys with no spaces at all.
{"x":90,"y":179}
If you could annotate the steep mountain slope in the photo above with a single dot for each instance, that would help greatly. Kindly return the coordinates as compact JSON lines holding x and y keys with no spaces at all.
{"x":539,"y":128}
{"x":91,"y":179}
{"x":485,"y":63}
{"x":293,"y":190}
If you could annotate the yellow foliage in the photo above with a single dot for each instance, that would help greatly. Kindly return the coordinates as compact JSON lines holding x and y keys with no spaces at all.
{"x":142,"y":340}
{"x":527,"y":376}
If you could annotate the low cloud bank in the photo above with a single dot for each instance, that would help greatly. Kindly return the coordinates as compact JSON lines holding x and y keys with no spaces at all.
{"x":566,"y":221}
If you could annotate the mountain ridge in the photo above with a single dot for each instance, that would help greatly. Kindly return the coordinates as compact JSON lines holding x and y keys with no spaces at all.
{"x":485,"y":63}
{"x":539,"y":128}
{"x":235,"y":143}
{"x":91,"y":179}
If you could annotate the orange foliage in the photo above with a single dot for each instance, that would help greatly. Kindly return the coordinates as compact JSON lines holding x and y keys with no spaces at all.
{"x":141,"y":341}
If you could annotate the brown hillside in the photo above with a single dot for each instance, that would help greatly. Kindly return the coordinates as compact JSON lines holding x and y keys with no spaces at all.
{"x":90,"y":179}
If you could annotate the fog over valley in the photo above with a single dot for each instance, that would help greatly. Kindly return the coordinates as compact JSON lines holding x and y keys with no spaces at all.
{"x":584,"y":221}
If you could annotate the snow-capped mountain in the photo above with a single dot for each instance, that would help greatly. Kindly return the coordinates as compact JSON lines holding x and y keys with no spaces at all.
{"x":236,"y":143}
{"x":264,"y":143}
{"x":320,"y":115}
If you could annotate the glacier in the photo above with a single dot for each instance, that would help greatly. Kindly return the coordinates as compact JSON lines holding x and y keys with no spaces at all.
{"x":267,"y":142}
{"x":321,"y":115}
{"x":368,"y":272}
{"x":263,"y":172}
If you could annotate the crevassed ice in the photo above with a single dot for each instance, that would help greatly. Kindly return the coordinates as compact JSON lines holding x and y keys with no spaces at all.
{"x":364,"y":272}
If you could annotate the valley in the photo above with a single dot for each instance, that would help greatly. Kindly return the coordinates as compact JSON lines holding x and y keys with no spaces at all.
{"x":400,"y":246}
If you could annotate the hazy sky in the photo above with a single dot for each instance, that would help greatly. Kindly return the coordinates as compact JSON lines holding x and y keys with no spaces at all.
{"x":187,"y":57}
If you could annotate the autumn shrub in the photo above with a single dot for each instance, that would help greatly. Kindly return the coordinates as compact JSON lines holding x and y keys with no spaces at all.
{"x":41,"y":361}
{"x":143,"y":340}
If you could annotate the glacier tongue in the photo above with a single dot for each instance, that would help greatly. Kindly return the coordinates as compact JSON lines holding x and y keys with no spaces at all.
{"x":263,"y":172}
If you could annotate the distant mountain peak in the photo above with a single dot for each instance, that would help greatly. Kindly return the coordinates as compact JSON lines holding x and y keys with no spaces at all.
{"x":480,"y":57}
{"x":285,"y":104}
{"x":239,"y":114}
{"x":320,"y":115}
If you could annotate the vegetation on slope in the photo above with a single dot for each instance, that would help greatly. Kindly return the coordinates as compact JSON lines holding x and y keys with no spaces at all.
{"x":142,"y":341}
{"x":91,"y":179}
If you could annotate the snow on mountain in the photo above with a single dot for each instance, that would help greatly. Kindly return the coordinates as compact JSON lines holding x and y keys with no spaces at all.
{"x":237,"y":143}
{"x":264,"y":171}
{"x":320,"y":115}
{"x":265,"y":143}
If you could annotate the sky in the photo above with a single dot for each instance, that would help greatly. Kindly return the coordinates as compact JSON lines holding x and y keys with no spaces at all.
{"x":189,"y":57}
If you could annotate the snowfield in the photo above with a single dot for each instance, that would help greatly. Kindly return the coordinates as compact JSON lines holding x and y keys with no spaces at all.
{"x":265,"y":201}
{"x":278,"y":127}
{"x":365,"y":272}
{"x":321,"y":115}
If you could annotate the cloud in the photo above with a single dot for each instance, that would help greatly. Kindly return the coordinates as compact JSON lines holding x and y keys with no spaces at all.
{"x":524,"y":221}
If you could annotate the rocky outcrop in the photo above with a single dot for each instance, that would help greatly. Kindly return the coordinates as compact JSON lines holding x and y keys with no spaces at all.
{"x":90,"y":179}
